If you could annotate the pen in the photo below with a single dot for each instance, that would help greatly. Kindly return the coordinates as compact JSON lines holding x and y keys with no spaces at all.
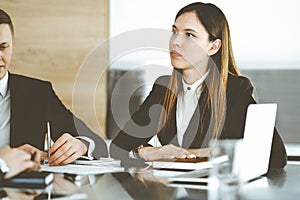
{"x":48,"y":138}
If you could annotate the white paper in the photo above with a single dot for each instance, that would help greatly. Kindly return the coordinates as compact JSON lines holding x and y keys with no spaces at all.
{"x":82,"y":169}
{"x":104,"y":162}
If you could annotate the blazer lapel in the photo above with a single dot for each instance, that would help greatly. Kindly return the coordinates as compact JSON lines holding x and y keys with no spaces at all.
{"x":173,"y":127}
{"x":169,"y":134}
{"x":194,"y":135}
{"x":16,"y":107}
{"x":192,"y":129}
{"x":198,"y":126}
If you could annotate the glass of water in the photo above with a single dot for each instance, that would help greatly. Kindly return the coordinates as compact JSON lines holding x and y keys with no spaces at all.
{"x":224,"y":175}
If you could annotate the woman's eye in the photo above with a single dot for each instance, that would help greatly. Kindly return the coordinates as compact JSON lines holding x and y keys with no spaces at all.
{"x":190,"y":35}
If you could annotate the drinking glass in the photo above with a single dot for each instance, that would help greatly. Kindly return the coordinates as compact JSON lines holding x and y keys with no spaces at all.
{"x":224,"y":181}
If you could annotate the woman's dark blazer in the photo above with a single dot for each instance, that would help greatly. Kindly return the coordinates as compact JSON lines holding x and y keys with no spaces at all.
{"x":33,"y":104}
{"x":143,"y":124}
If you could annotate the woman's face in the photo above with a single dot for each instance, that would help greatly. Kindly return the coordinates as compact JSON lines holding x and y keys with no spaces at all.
{"x":189,"y":43}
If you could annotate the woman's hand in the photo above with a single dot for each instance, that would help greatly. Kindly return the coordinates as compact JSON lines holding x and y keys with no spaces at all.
{"x":203,"y":152}
{"x":167,"y":152}
{"x":17,"y":160}
{"x":66,"y":149}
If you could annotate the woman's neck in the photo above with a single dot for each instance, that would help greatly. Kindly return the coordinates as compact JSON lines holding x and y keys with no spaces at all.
{"x":190,"y":76}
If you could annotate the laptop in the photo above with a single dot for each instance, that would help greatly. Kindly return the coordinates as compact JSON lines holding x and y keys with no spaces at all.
{"x":251,"y":159}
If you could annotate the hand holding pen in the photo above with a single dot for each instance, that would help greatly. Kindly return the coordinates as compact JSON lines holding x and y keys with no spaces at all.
{"x":66,"y":148}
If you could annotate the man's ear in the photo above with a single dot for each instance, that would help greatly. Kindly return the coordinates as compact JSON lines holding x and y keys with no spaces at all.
{"x":215,"y":46}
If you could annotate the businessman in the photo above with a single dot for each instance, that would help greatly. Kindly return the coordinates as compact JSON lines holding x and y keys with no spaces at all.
{"x":27,"y":104}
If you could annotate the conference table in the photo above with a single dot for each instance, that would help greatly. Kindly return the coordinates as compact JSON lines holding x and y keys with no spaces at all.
{"x":136,"y":183}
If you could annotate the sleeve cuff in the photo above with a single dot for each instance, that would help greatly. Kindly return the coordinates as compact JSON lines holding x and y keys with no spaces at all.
{"x":131,"y":155}
{"x":91,"y":147}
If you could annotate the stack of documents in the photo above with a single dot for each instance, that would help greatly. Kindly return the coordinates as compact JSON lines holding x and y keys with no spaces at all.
{"x":87,"y":167}
{"x":184,"y":173}
{"x":182,"y":164}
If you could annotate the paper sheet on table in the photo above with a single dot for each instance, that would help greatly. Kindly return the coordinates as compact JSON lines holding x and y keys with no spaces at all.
{"x":103,"y":162}
{"x":82,"y":169}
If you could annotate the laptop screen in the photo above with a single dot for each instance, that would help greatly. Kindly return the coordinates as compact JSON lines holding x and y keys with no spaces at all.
{"x":252,"y":159}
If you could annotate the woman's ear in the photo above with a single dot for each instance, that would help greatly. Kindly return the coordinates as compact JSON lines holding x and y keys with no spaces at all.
{"x":215,"y":46}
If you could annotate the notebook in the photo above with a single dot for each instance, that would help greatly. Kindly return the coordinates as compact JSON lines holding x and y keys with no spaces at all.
{"x":31,"y":179}
{"x":183,"y":164}
{"x":252,"y":158}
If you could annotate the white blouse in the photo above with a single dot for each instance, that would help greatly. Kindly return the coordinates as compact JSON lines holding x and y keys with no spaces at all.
{"x":187,"y":102}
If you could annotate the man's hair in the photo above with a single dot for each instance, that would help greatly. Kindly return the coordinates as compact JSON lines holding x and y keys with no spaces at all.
{"x":5,"y":19}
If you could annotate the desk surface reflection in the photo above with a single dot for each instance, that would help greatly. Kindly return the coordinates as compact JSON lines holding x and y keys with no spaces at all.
{"x":141,"y":184}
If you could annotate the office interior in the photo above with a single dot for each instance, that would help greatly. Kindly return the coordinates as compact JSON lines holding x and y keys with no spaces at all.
{"x":60,"y":45}
{"x":74,"y":44}
{"x":53,"y":43}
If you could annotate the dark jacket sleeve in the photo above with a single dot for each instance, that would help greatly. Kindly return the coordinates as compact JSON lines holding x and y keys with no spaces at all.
{"x":64,"y":121}
{"x":240,"y":96}
{"x":278,"y":157}
{"x":33,"y":104}
{"x":143,"y":123}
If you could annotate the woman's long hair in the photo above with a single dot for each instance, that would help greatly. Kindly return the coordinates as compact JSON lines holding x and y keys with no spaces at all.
{"x":220,"y":64}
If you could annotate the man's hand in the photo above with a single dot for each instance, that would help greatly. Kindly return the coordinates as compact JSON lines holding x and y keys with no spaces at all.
{"x":36,"y":154}
{"x":66,"y":149}
{"x":17,"y":160}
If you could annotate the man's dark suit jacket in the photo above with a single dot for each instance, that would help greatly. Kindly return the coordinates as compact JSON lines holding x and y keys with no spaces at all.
{"x":144,"y":122}
{"x":33,"y":104}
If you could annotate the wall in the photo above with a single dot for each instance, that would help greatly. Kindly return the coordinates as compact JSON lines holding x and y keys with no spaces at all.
{"x":52,"y":40}
{"x":281,"y":87}
{"x":264,"y":33}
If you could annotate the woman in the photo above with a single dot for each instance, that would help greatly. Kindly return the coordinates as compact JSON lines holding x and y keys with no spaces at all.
{"x":205,"y":97}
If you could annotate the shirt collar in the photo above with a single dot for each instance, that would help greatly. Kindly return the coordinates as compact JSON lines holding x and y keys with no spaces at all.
{"x":4,"y":84}
{"x":195,"y":85}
